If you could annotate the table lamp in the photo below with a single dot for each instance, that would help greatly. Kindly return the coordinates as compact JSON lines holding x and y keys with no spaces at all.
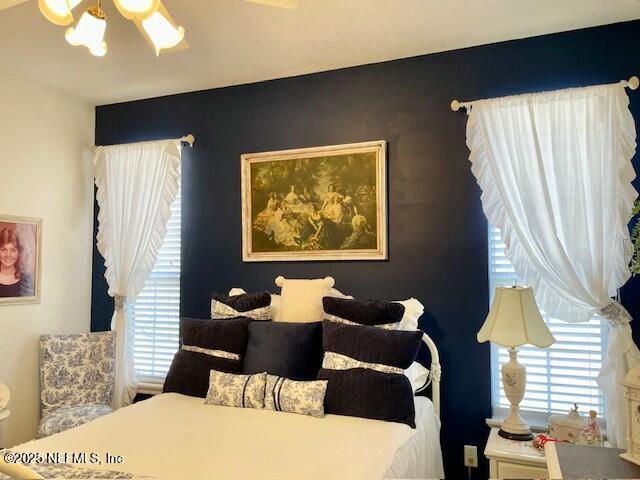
{"x":514,"y":320}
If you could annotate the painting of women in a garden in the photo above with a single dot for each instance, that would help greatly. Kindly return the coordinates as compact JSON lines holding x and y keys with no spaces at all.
{"x":322,"y":203}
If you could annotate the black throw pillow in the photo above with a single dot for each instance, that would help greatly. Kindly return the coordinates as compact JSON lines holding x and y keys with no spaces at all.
{"x":364,"y":366}
{"x":374,"y":313}
{"x":256,"y":306}
{"x":206,"y":345}
{"x":291,"y":350}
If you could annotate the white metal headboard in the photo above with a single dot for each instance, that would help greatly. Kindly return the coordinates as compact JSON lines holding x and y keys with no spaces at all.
{"x":435,"y":373}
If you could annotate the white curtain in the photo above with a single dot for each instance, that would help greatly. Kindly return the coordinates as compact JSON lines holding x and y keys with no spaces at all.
{"x":555,"y":172}
{"x":136,"y":184}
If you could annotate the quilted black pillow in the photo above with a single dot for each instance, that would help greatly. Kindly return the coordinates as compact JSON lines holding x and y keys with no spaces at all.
{"x":364,"y":366}
{"x":256,"y":306}
{"x":374,"y":313}
{"x":291,"y":350}
{"x":206,"y":345}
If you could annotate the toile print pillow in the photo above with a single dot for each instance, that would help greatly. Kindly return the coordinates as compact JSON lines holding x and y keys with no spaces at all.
{"x":365,"y":370}
{"x":206,"y":345}
{"x":256,"y":306}
{"x":286,"y":395}
{"x":374,"y":313}
{"x":232,"y":390}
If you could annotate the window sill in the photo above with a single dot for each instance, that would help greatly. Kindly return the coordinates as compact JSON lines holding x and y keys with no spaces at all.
{"x":538,"y":421}
{"x":497,"y":423}
{"x":150,"y":388}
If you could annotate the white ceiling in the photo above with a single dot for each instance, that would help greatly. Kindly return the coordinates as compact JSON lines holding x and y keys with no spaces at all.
{"x":234,"y":42}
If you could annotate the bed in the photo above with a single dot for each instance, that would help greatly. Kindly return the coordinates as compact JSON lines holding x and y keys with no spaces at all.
{"x":174,"y":436}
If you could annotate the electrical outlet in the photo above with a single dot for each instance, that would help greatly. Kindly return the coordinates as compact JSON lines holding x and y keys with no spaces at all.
{"x":470,"y":456}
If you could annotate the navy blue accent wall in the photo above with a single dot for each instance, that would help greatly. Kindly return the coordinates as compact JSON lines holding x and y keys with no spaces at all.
{"x":437,"y":231}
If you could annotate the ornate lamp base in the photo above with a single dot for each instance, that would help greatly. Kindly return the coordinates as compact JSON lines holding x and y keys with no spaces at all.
{"x":514,"y":378}
{"x":522,"y":437}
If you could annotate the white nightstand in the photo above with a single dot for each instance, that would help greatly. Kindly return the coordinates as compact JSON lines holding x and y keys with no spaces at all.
{"x":511,"y":459}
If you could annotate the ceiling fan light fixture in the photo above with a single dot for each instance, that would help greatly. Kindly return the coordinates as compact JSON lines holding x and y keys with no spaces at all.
{"x":162,"y":32}
{"x":139,"y":9}
{"x":89,"y":32}
{"x":58,"y":11}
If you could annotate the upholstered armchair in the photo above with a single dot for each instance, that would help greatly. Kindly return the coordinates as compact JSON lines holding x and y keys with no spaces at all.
{"x":76,"y":379}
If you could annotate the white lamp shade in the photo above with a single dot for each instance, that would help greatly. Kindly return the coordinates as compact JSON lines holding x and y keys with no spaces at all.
{"x":140,"y":9}
{"x":89,"y":33}
{"x":162,"y":32}
{"x":58,"y":11}
{"x":515,"y":320}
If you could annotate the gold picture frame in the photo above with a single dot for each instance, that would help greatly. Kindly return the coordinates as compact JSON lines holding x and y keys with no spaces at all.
{"x":20,"y":260}
{"x":313,"y":204}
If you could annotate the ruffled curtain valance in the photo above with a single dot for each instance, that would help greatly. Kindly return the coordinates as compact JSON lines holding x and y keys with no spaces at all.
{"x":555,"y":172}
{"x":136,"y":185}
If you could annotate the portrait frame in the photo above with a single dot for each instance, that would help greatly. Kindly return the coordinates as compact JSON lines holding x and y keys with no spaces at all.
{"x":31,"y":231}
{"x":365,"y":152}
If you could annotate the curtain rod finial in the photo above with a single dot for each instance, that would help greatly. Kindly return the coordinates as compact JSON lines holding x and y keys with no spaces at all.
{"x":190,"y":139}
{"x":633,"y":83}
{"x":455,"y":105}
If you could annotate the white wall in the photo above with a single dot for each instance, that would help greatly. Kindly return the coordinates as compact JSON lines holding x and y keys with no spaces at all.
{"x":45,"y":172}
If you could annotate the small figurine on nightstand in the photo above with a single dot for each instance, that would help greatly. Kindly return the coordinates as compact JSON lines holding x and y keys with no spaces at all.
{"x":591,"y":435}
{"x":567,"y":428}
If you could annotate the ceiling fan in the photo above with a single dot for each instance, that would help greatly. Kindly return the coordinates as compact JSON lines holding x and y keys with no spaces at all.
{"x":150,"y":17}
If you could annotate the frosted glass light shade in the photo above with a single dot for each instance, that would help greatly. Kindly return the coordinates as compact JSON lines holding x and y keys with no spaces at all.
{"x":58,"y":11}
{"x":141,"y":9}
{"x":89,"y":33}
{"x":162,"y":32}
{"x":515,"y":320}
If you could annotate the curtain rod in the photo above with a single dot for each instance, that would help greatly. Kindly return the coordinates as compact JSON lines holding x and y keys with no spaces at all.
{"x":190,"y":139}
{"x":633,"y":83}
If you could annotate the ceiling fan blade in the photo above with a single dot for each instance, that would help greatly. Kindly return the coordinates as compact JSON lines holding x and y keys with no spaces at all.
{"x":278,"y":3}
{"x":10,"y":3}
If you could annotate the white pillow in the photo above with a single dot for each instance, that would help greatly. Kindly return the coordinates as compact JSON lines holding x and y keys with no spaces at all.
{"x":276,"y":302}
{"x":418,"y":375}
{"x":413,"y":310}
{"x":302,"y":299}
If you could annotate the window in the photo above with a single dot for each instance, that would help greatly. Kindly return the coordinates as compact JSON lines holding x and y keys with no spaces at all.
{"x":558,"y":376}
{"x":155,"y":314}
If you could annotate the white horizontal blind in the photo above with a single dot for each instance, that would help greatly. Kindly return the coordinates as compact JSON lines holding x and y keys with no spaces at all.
{"x":558,"y":376}
{"x":155,"y":313}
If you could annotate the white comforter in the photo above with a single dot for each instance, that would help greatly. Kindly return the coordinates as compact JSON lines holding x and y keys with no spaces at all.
{"x":173,"y":436}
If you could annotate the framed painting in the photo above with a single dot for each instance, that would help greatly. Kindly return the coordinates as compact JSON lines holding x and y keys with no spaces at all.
{"x":320,"y":203}
{"x":19,"y":259}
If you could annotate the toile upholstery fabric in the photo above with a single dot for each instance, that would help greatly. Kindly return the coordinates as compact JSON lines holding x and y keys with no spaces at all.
{"x":58,"y":471}
{"x":236,"y":390}
{"x":286,"y":395}
{"x":76,"y":379}
{"x":64,"y":418}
